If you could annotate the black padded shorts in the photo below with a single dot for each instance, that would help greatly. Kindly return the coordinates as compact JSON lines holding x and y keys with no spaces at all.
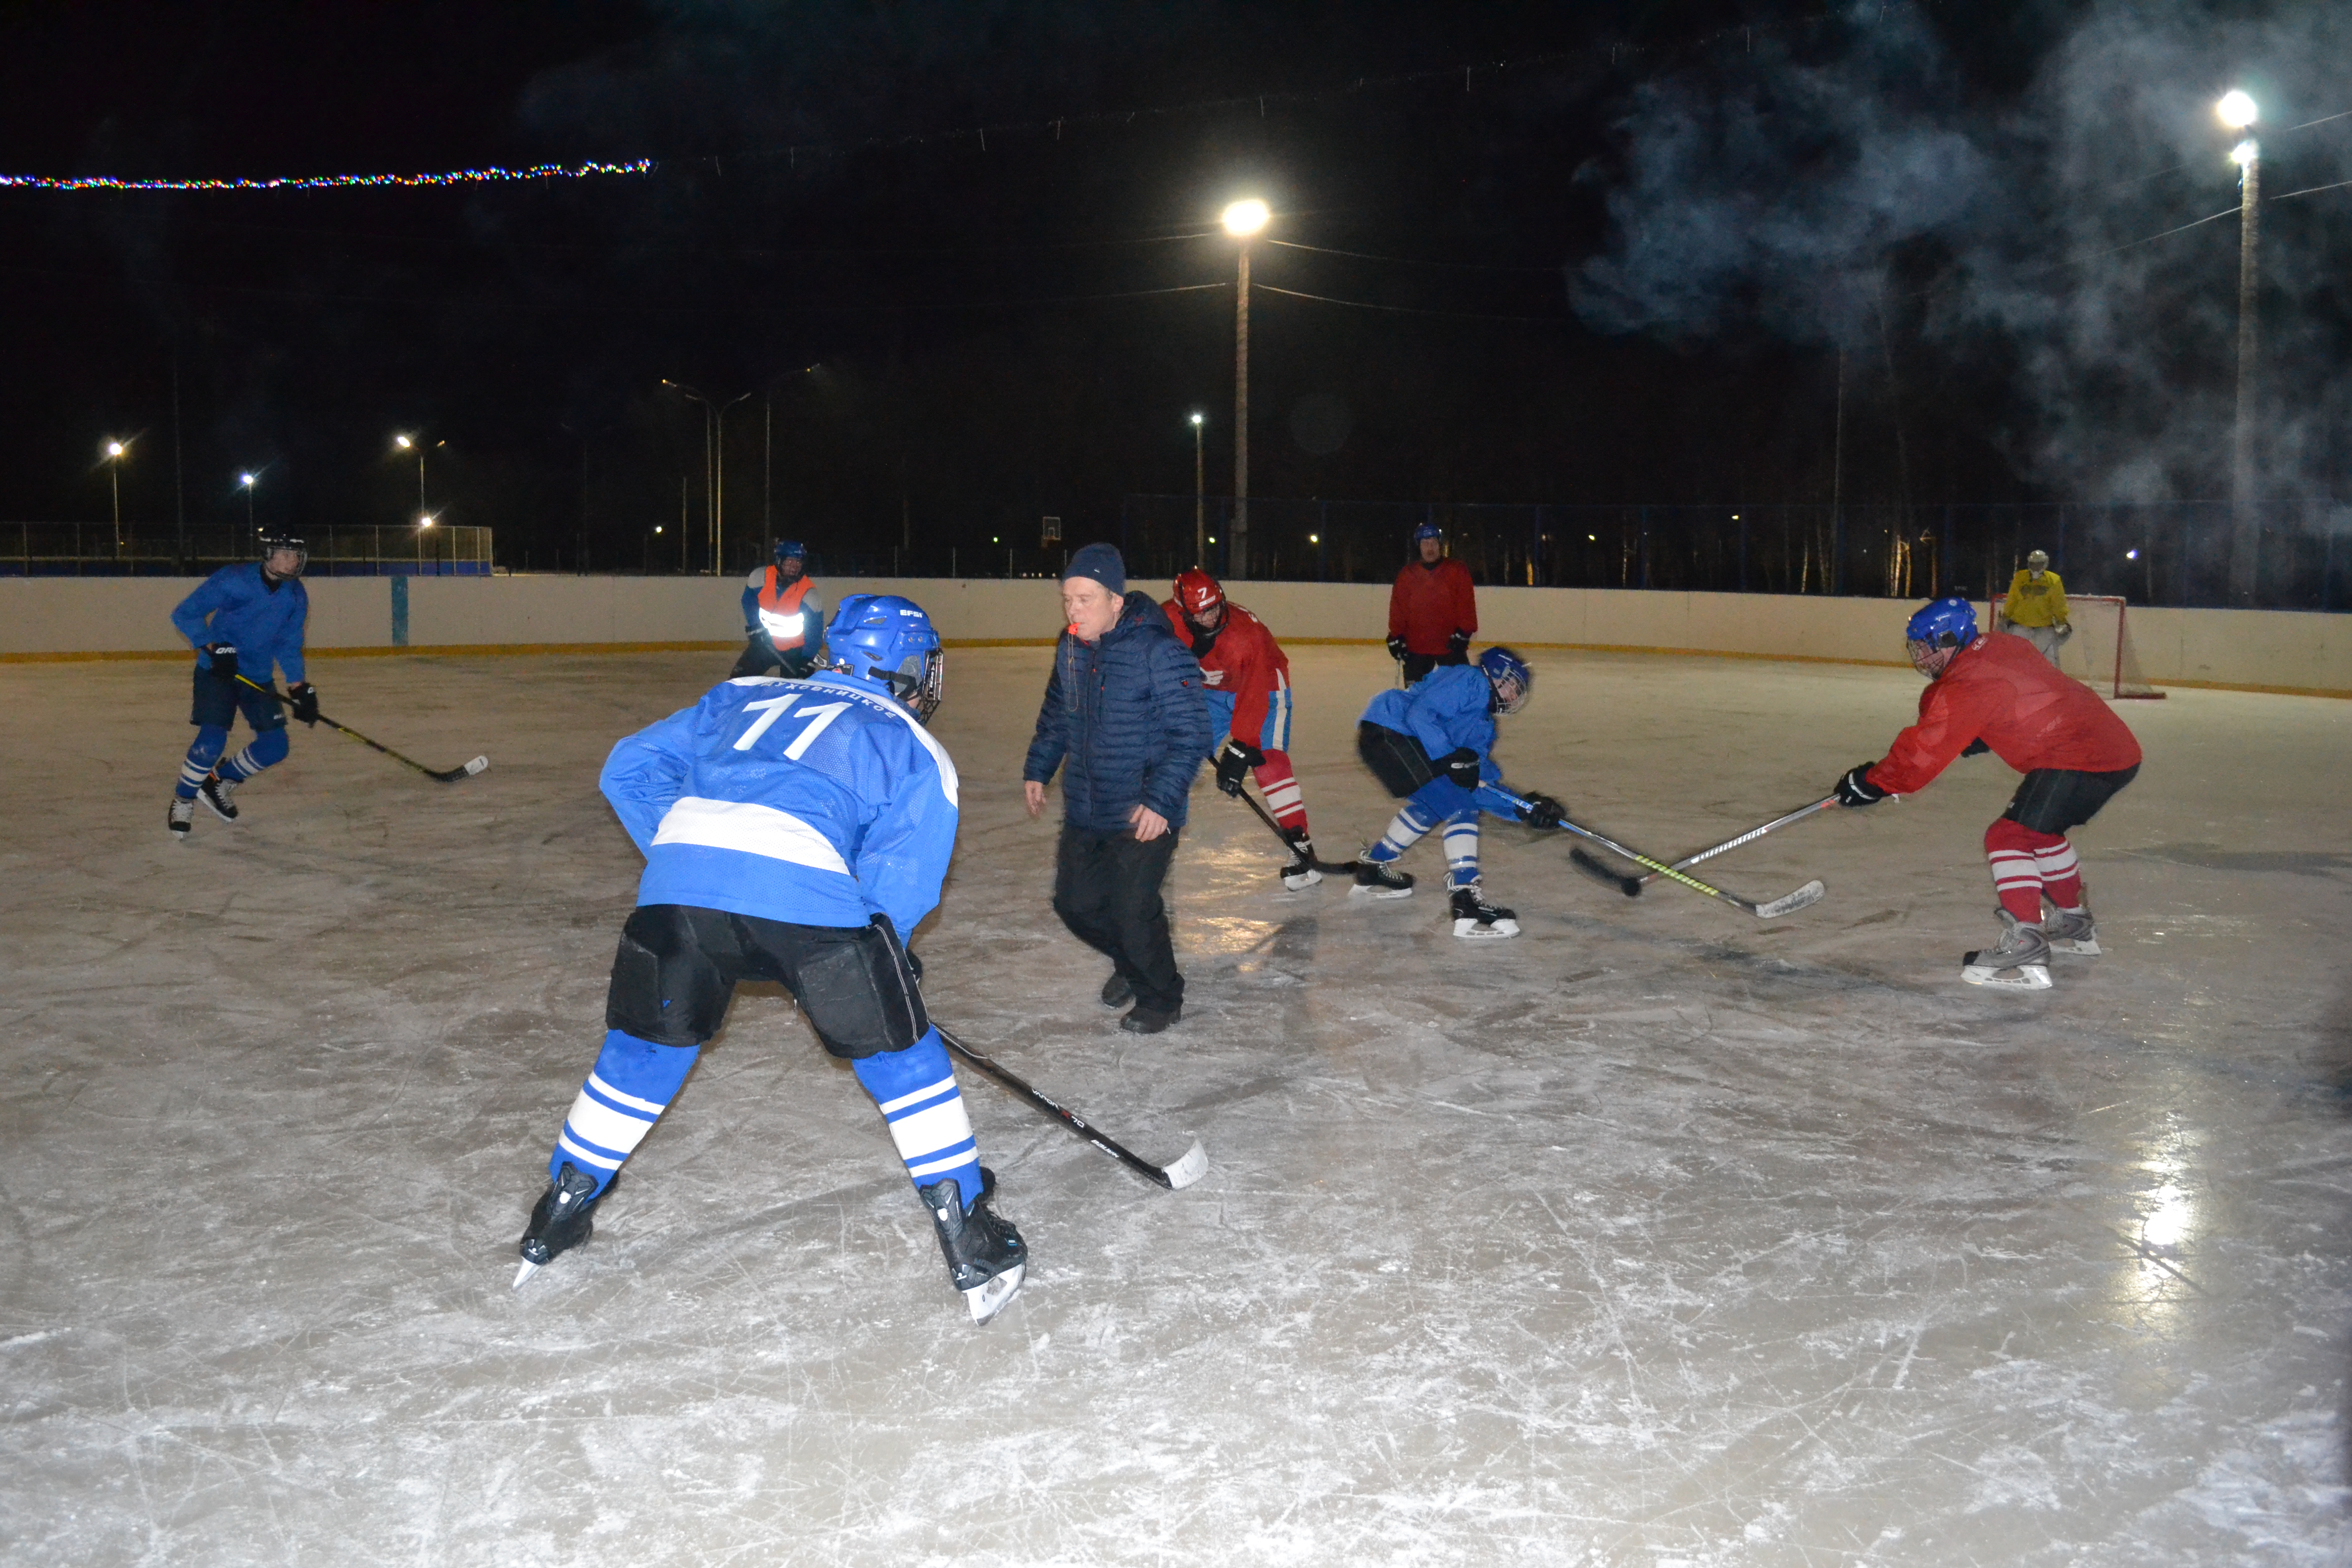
{"x":678,"y":964}
{"x":1396,"y":759}
{"x":2053,"y":800}
{"x":217,"y":702}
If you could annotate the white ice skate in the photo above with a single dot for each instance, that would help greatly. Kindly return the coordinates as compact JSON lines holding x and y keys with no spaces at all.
{"x":1475,"y":919}
{"x":2020,"y":963}
{"x":182,"y":818}
{"x":2071,"y":931}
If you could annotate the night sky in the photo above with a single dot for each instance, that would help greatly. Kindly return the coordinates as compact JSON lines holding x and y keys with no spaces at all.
{"x":822,"y":230}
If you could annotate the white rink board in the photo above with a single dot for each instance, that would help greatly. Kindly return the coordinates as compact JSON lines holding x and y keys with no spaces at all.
{"x":1658,"y":1235}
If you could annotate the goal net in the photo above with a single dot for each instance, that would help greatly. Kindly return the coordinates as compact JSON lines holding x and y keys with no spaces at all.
{"x":2100,"y":654}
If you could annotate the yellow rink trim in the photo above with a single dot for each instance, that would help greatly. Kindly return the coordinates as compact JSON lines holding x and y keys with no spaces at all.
{"x":525,"y":651}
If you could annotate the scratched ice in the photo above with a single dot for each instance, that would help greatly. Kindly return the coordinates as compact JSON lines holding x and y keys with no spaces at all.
{"x":1660,"y":1236}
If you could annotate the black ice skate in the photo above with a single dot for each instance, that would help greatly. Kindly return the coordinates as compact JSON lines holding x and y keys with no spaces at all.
{"x":215,"y":793}
{"x":182,"y":818}
{"x":986,"y":1256}
{"x":2022,"y":961}
{"x":562,"y":1220}
{"x":2071,"y":931}
{"x":1380,"y":879}
{"x":1300,"y":873}
{"x":1475,"y":919}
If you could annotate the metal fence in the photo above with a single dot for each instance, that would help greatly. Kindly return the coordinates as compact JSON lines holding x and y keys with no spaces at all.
{"x":94,"y":550}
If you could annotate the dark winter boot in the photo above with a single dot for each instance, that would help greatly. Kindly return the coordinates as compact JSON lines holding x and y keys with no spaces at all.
{"x":1116,"y":991}
{"x":986,"y":1256}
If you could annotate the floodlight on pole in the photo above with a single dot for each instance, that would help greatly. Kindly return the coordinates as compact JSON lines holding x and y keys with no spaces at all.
{"x":1200,"y":497}
{"x":244,"y":482}
{"x":2236,"y":110}
{"x":114,"y":450}
{"x":1243,"y":219}
{"x":415,"y":444}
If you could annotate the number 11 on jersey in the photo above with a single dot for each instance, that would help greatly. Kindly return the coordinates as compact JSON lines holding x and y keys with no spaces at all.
{"x":771,"y":708}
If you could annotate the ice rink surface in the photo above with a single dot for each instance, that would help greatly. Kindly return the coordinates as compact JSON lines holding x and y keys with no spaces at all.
{"x":1657,"y":1237}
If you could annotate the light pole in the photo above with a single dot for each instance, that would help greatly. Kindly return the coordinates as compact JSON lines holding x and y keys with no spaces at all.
{"x":114,"y":450}
{"x":1242,"y":219}
{"x":2237,"y":111}
{"x":245,"y":483}
{"x":415,"y":444}
{"x":1200,"y":498}
{"x":714,"y":468}
{"x":424,"y":522}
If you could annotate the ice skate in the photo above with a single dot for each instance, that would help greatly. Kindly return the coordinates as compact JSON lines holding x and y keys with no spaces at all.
{"x":1475,"y":920}
{"x":2022,"y":961}
{"x":1300,"y":874}
{"x":1380,"y":879}
{"x":215,"y":793}
{"x":182,"y":818}
{"x":2071,"y":931}
{"x":562,"y":1219}
{"x":986,"y":1256}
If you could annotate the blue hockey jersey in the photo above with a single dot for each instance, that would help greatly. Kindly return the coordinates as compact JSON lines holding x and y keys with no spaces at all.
{"x":821,"y":802}
{"x":1450,"y":708}
{"x":236,"y":606}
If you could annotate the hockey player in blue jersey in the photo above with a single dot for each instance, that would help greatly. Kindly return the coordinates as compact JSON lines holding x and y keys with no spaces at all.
{"x":1432,"y":746}
{"x":793,"y":831}
{"x":249,"y":619}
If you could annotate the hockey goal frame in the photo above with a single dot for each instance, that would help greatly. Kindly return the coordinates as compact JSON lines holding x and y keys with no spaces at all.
{"x":2113,"y":673}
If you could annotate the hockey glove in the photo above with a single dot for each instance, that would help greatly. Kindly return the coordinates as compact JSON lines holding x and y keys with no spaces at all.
{"x":223,"y":659}
{"x":306,"y":701}
{"x":1856,"y":788}
{"x":1975,"y":748}
{"x":1461,"y":765}
{"x":1397,"y":650}
{"x":1234,"y":760}
{"x":1458,"y":642}
{"x":1542,"y":811}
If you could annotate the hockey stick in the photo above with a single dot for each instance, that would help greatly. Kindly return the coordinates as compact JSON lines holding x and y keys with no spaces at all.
{"x":1189,"y":1168}
{"x":1631,"y":886}
{"x":1788,"y":904}
{"x":1328,"y":868}
{"x":447,"y":775}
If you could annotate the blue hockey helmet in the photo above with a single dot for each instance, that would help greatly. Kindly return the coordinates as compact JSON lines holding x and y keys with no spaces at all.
{"x":1512,"y":679}
{"x":1427,"y":531}
{"x":889,"y":641}
{"x":1937,"y":632}
{"x":789,"y":549}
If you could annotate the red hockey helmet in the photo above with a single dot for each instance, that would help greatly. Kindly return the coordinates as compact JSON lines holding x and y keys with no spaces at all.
{"x":1199,"y":596}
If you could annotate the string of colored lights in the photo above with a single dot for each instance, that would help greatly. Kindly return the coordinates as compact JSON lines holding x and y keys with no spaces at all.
{"x":493,"y":175}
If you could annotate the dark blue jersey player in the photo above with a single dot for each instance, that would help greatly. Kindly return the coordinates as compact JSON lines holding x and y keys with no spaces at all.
{"x":245,"y":620}
{"x":793,"y":831}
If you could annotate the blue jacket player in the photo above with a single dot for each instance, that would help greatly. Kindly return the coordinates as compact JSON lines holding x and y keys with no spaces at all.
{"x":1432,"y":746}
{"x":793,"y":831}
{"x":245,"y":620}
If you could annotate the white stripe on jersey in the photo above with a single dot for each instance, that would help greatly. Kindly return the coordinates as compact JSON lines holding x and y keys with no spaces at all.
{"x":949,"y":783}
{"x":750,"y":829}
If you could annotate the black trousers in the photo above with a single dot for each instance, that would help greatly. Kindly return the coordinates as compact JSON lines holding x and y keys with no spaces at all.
{"x":678,"y":965}
{"x":1106,"y":890}
{"x":1417,"y":664}
{"x":2051,"y":800}
{"x":1396,"y":759}
{"x":760,"y":656}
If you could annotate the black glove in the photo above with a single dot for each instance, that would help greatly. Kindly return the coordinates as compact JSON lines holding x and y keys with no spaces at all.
{"x":1542,"y":811}
{"x":1461,"y":765}
{"x":1854,"y":789}
{"x":306,"y":701}
{"x":1975,"y":748}
{"x":224,"y":658}
{"x":1397,"y":650}
{"x":1234,"y":760}
{"x":1458,"y":642}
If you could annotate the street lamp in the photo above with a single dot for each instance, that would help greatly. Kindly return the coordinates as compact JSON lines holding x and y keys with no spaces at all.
{"x":1242,"y":219}
{"x":714,"y":468}
{"x":114,"y":451}
{"x":2237,"y":111}
{"x":245,"y":483}
{"x":424,"y":522}
{"x":1200,"y":498}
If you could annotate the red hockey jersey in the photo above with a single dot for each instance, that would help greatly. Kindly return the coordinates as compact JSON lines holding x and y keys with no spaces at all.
{"x":1245,"y":661}
{"x":2001,"y":691}
{"x":1431,"y":602}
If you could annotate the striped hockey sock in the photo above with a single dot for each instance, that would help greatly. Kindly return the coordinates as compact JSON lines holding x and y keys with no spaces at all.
{"x":1279,"y":784}
{"x":1461,"y":853}
{"x":2062,"y":875}
{"x":198,"y":765}
{"x":915,"y":1091}
{"x":1405,"y":832}
{"x":267,"y":750}
{"x":2013,"y":849}
{"x":631,"y":1085}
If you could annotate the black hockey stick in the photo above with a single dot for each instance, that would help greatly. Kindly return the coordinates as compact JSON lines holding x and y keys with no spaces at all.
{"x":1788,"y":904}
{"x":1188,"y":1168}
{"x":1631,"y":886}
{"x":447,"y":775}
{"x":1328,"y":868}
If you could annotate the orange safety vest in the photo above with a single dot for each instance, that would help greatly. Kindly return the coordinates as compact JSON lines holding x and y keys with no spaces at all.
{"x":780,"y":610}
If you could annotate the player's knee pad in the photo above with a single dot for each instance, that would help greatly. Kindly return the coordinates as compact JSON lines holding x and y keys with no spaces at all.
{"x":205,"y":749}
{"x":859,"y":994}
{"x":1442,"y":800}
{"x":267,"y":750}
{"x":667,"y":988}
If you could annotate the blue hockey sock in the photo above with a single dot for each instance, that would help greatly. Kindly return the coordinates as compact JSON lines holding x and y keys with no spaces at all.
{"x":267,"y":750}
{"x":1404,"y":833}
{"x":915,"y":1091}
{"x":198,"y":765}
{"x":629,"y":1088}
{"x":1460,"y":852}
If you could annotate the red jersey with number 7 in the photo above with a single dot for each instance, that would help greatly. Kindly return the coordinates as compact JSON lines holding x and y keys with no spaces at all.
{"x":1999,"y":689}
{"x":1242,"y":660}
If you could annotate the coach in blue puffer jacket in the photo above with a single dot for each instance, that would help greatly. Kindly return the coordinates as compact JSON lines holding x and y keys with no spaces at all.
{"x":1124,"y":719}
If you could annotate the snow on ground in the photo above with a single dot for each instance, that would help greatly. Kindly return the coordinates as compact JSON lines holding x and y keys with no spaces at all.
{"x":1660,"y":1236}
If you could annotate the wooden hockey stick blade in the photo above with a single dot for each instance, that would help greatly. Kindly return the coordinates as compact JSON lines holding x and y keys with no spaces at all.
{"x":1789,"y":903}
{"x":1583,"y":861}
